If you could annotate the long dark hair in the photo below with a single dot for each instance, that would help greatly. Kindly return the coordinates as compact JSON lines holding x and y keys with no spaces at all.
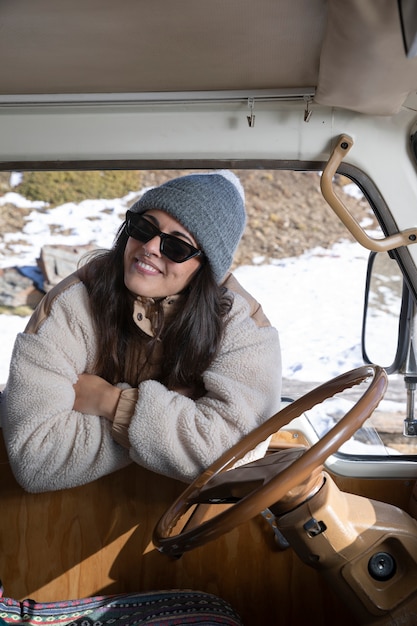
{"x":190,"y":340}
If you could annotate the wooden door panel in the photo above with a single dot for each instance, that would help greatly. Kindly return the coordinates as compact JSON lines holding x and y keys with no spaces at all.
{"x":96,"y":539}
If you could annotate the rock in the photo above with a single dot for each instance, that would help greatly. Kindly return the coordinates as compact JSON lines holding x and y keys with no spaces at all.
{"x":26,"y":286}
{"x":57,"y":262}
{"x":18,"y":290}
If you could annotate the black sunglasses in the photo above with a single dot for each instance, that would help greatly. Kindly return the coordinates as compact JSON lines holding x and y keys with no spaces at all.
{"x":175,"y":249}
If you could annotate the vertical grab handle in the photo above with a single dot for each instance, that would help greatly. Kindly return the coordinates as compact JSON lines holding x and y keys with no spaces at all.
{"x":404,"y":238}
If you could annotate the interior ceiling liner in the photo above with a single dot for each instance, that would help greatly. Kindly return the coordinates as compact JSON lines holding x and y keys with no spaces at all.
{"x":363,"y":64}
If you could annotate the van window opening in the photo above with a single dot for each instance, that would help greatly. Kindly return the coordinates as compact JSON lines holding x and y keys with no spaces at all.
{"x":295,"y":257}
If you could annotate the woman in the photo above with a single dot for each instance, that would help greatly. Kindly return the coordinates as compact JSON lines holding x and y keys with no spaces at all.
{"x":150,"y":353}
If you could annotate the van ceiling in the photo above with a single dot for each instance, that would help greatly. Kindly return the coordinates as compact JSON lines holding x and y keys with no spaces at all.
{"x":349,"y":53}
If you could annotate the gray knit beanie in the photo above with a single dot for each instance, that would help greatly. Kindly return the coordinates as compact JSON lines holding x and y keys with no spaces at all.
{"x":210,"y":206}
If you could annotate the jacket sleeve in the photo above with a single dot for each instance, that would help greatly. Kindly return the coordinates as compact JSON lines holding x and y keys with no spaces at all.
{"x":51,"y":446}
{"x":177,"y":436}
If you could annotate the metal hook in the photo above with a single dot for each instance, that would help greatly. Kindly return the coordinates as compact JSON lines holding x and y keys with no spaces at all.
{"x":307,"y":112}
{"x":251,"y":117}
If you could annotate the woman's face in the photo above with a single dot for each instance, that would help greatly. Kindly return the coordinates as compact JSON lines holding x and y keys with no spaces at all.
{"x":149,"y":273}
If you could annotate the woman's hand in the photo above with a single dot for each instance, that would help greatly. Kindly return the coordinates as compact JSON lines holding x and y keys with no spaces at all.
{"x":95,"y":396}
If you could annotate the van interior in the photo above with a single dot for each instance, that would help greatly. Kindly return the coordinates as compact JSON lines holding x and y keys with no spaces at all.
{"x":324,"y":528}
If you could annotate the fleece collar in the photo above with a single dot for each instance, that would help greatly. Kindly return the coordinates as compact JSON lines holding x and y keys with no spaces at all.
{"x":145,"y":311}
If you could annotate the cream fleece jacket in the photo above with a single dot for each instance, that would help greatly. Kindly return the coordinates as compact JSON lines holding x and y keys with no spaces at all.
{"x":51,"y":446}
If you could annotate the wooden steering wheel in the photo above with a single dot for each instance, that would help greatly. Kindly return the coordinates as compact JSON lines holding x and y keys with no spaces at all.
{"x":274,"y":489}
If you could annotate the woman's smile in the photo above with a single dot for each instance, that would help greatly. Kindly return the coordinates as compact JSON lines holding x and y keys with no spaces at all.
{"x":145,"y":267}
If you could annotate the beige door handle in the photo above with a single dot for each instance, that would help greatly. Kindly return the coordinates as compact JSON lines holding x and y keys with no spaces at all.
{"x":384,"y":244}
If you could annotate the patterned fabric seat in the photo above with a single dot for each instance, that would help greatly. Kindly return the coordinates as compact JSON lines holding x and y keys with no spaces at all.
{"x":157,"y":608}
